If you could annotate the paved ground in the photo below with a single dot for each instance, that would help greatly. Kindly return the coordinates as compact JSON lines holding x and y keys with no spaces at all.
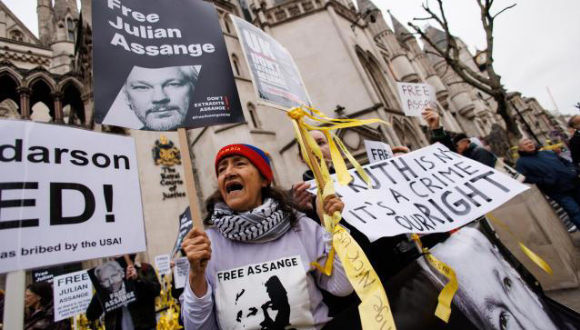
{"x":570,"y":298}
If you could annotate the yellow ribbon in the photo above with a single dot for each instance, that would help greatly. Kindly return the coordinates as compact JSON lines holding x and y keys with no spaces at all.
{"x":375,"y":311}
{"x":340,"y":168}
{"x":529,"y":253}
{"x":443,"y":310}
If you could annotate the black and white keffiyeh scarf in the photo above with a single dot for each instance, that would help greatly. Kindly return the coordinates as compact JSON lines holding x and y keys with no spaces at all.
{"x":263,"y":224}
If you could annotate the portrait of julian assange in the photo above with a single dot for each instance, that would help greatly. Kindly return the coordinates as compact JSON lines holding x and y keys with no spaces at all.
{"x":155,"y":99}
{"x":491,"y":293}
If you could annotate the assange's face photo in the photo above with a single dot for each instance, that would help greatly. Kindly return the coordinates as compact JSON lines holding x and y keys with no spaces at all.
{"x":491,"y":292}
{"x":110,"y":278}
{"x":160,"y":97}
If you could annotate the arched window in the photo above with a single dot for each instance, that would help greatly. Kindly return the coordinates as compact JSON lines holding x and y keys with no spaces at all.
{"x":236,"y":65}
{"x":254,"y":116}
{"x":73,"y":107}
{"x":227,"y":24}
{"x":70,"y":27}
{"x":376,"y":77}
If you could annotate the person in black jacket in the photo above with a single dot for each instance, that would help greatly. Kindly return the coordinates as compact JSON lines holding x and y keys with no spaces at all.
{"x":554,"y":176}
{"x":574,"y":143}
{"x":460,"y":142}
{"x":142,"y":310}
{"x":472,"y":151}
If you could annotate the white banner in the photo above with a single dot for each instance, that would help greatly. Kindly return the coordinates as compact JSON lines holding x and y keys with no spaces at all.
{"x":377,"y":151}
{"x":430,"y":190}
{"x":72,"y":294}
{"x":180,"y":272}
{"x":162,"y":263}
{"x":415,"y":97}
{"x":66,"y":195}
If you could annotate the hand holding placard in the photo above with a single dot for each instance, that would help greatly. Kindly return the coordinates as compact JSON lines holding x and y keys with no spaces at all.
{"x":197,"y":247}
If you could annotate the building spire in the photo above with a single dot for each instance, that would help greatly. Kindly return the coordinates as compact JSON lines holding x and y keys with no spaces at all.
{"x":401,"y":31}
{"x":365,"y":6}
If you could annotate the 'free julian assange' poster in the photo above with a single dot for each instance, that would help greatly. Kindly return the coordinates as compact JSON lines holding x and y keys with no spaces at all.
{"x":161,"y":65}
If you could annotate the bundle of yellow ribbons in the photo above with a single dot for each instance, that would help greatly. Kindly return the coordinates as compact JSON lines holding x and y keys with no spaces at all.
{"x":169,"y":318}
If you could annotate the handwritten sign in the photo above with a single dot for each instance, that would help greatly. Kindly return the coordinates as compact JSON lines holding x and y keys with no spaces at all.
{"x":415,"y":97}
{"x":430,"y":190}
{"x":377,"y":151}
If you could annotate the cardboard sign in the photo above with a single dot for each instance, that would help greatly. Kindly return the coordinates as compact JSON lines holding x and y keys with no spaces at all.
{"x":415,"y":97}
{"x":276,"y":78}
{"x":72,"y":294}
{"x":162,"y":263}
{"x":113,"y":289}
{"x":430,"y":190}
{"x":66,"y":194}
{"x":180,"y":272}
{"x":161,"y":66}
{"x":377,"y":151}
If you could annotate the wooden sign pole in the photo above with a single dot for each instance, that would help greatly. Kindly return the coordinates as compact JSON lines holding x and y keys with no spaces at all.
{"x":189,"y":179}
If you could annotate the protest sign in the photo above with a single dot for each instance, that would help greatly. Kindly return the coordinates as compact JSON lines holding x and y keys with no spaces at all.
{"x":185,"y":225}
{"x":415,"y":97}
{"x":162,"y":264}
{"x":180,"y":272}
{"x":377,"y":151}
{"x":161,"y":66}
{"x":113,"y":290}
{"x":72,"y":294}
{"x":277,"y":81}
{"x":66,"y":195}
{"x":430,"y":190}
{"x":47,"y":274}
{"x":495,"y":291}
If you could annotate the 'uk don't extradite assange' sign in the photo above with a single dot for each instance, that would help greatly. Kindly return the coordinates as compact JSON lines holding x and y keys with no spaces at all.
{"x":276,"y":78}
{"x":66,"y":194}
{"x":430,"y":190}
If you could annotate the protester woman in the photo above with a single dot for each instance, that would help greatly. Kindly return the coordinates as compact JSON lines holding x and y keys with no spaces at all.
{"x":39,"y":312}
{"x":252,"y":267}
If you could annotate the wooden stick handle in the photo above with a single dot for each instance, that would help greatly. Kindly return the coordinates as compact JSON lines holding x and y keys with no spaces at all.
{"x":189,"y":179}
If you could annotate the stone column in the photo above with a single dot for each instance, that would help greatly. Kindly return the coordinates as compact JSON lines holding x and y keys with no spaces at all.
{"x":24,"y":102}
{"x":57,"y":107}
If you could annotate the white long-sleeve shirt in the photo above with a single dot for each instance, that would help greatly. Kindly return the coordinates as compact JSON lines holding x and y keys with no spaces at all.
{"x":268,"y":285}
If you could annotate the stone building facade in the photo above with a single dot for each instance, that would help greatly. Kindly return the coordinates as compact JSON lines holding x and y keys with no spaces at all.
{"x":350,"y":59}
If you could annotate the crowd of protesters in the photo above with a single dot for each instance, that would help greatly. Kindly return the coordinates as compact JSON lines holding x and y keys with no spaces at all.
{"x":284,"y":225}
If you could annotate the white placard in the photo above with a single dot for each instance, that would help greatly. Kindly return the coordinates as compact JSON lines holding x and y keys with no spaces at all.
{"x":377,"y":151}
{"x":415,"y":97}
{"x":180,"y":272}
{"x":162,"y":263}
{"x":67,"y":194}
{"x":72,"y":294}
{"x":430,"y":190}
{"x":276,"y":77}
